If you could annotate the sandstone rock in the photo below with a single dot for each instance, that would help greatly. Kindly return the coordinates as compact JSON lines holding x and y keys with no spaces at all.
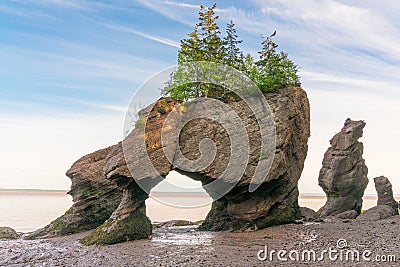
{"x":385,"y":193}
{"x":386,"y":206}
{"x":377,"y":213}
{"x":343,"y":176}
{"x":308,"y":215}
{"x":274,"y":202}
{"x":350,"y":214}
{"x":129,"y":220}
{"x":95,"y":198}
{"x":8,"y":233}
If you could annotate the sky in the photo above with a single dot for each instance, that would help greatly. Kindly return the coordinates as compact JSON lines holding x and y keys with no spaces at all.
{"x":68,"y":70}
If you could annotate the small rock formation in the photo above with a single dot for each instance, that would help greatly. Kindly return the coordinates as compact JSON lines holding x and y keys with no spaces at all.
{"x":343,"y":176}
{"x":308,"y":215}
{"x":385,"y":193}
{"x":350,"y":214}
{"x":95,"y":198}
{"x":274,"y":202}
{"x":386,"y":206}
{"x":8,"y":233}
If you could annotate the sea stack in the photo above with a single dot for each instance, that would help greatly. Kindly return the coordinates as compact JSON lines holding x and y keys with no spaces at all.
{"x":274,"y":202}
{"x":343,"y":175}
{"x":386,"y":206}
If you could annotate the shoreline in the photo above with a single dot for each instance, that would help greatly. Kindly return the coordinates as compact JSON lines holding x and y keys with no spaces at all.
{"x":185,"y":246}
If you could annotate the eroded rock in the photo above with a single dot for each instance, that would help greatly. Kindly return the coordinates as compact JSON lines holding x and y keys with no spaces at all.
{"x":308,"y":215}
{"x":385,"y":193}
{"x":377,"y":213}
{"x":350,"y":214}
{"x":343,"y":175}
{"x":94,"y":197}
{"x":8,"y":233}
{"x":274,"y":202}
{"x":386,"y":206}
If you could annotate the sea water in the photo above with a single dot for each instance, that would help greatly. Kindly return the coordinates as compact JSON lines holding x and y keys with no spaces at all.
{"x":27,"y":211}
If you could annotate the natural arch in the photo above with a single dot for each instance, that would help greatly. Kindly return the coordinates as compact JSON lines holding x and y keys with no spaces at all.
{"x":275,"y":200}
{"x":178,"y":197}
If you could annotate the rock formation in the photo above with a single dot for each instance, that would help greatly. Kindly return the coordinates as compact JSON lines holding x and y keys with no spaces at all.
{"x":385,"y":193}
{"x":308,"y":215}
{"x":8,"y":233}
{"x":275,"y":200}
{"x":95,"y":198}
{"x":350,"y":214}
{"x":343,"y":176}
{"x":386,"y":206}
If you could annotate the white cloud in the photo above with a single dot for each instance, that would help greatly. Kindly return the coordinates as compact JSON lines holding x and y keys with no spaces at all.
{"x":23,"y":12}
{"x":159,"y":39}
{"x":178,"y":13}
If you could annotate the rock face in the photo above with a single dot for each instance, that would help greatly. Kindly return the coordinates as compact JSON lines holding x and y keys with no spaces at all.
{"x":308,"y":215}
{"x":275,"y":200}
{"x":377,"y":213}
{"x":95,"y":197}
{"x":386,"y":206}
{"x":8,"y":233}
{"x":343,"y":176}
{"x":385,"y":193}
{"x":350,"y":214}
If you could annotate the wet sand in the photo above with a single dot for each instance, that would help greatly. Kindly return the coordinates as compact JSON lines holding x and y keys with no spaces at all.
{"x":184,"y":246}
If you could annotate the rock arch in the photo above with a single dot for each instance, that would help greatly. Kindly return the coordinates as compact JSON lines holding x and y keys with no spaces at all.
{"x":274,"y":202}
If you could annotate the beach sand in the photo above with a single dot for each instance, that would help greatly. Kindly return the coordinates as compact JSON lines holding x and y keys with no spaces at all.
{"x":184,"y":246}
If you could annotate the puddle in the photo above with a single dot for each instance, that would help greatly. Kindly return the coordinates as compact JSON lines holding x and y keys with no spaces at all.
{"x":182,"y":235}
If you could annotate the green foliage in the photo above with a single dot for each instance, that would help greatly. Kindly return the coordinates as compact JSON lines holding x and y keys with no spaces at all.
{"x":272,"y":71}
{"x":275,"y":70}
{"x":233,"y":55}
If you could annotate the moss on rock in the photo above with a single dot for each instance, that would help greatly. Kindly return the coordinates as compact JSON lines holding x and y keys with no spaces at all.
{"x":8,"y":233}
{"x":135,"y":226}
{"x":278,"y":216}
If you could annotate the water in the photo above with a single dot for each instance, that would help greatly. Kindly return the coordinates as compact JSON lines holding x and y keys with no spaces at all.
{"x":27,"y":211}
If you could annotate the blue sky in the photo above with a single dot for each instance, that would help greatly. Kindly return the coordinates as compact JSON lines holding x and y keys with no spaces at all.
{"x":69,"y":69}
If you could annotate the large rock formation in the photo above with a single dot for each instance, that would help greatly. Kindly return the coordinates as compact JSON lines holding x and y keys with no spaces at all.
{"x":95,"y":198}
{"x":343,"y":176}
{"x":275,"y":200}
{"x":386,"y":206}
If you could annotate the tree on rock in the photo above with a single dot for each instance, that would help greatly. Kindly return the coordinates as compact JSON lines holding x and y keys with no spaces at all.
{"x":272,"y":71}
{"x":275,"y":70}
{"x":233,"y":55}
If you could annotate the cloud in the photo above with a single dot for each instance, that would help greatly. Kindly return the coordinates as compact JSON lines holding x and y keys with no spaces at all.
{"x":23,"y":12}
{"x":78,"y":4}
{"x":159,"y":39}
{"x":178,"y":13}
{"x":180,"y":4}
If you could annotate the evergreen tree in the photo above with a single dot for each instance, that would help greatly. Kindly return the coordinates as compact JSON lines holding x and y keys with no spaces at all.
{"x":211,"y":43}
{"x":275,"y":70}
{"x":191,"y":48}
{"x":233,"y":55}
{"x":272,"y":71}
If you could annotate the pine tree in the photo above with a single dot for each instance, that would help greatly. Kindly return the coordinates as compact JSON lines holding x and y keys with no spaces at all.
{"x":234,"y":57}
{"x":191,"y":48}
{"x":272,"y":71}
{"x":211,"y":43}
{"x":275,"y":70}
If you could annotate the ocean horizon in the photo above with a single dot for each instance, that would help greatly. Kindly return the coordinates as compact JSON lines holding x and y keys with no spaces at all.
{"x":29,"y":209}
